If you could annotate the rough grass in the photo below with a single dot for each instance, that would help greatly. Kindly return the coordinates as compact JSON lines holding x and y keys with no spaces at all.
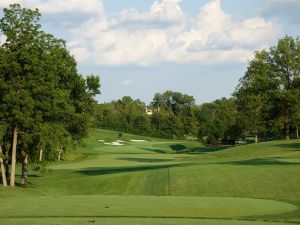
{"x":151,"y":182}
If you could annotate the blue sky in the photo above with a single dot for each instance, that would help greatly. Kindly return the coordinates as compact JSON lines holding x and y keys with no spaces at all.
{"x":140,"y":47}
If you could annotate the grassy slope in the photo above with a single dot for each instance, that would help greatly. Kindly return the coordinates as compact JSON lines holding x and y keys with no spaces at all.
{"x":266,"y":171}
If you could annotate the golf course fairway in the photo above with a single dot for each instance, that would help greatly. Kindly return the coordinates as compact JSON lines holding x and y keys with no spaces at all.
{"x":157,"y":181}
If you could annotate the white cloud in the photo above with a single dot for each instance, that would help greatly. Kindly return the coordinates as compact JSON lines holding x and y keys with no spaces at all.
{"x":162,"y":34}
{"x":59,"y":6}
{"x":211,"y":37}
{"x":167,"y":10}
{"x":161,"y":13}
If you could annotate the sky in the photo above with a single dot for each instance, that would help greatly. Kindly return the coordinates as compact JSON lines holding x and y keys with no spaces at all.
{"x":141,"y":47}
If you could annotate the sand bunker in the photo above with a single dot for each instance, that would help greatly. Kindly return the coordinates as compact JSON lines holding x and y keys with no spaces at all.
{"x":120,"y":141}
{"x":137,"y":140}
{"x":101,"y":140}
{"x":114,"y":143}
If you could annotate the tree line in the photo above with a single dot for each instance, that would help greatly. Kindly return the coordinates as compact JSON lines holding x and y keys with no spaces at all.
{"x":172,"y":116}
{"x":265,"y":105}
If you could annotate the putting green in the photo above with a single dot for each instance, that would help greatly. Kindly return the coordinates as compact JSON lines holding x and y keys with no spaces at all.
{"x":130,"y":221}
{"x":140,"y":206}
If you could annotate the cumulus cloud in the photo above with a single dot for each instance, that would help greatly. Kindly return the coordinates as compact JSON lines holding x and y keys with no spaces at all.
{"x":167,"y":10}
{"x":58,"y":6}
{"x":211,"y":37}
{"x":162,"y":34}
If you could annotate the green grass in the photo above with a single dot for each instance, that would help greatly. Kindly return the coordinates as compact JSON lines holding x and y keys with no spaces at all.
{"x":131,"y":206}
{"x":161,"y":182}
{"x":130,"y":221}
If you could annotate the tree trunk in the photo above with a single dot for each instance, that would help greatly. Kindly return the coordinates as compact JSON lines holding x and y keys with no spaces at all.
{"x":41,"y":155}
{"x":287,"y":131}
{"x":4,"y":181}
{"x":256,"y":137}
{"x":13,"y":158}
{"x":6,"y":166}
{"x":59,"y":154}
{"x":297,"y":132}
{"x":24,"y":177}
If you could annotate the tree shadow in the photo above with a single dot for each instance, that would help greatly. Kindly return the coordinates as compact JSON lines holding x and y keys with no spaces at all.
{"x":24,"y":186}
{"x":261,"y":162}
{"x":178,"y":147}
{"x":114,"y":170}
{"x":296,"y":146}
{"x":144,"y":159}
{"x":207,"y":149}
{"x":34,"y":175}
{"x":154,"y":150}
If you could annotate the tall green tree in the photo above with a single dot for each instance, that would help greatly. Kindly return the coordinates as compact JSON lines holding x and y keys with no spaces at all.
{"x":268,"y":95}
{"x":253,"y":95}
{"x":285,"y":62}
{"x":41,"y":90}
{"x":218,"y":122}
{"x":173,"y":114}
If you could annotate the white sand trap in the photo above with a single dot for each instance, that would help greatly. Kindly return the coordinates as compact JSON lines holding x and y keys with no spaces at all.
{"x":120,"y":141}
{"x":101,"y":140}
{"x":114,"y":143}
{"x":137,"y":140}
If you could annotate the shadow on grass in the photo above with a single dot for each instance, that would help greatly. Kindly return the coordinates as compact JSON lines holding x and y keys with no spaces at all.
{"x":178,"y":147}
{"x":156,"y":150}
{"x":261,"y":162}
{"x":207,"y":149}
{"x":34,"y":175}
{"x":144,"y":160}
{"x":27,"y":185}
{"x":113,"y":170}
{"x":296,"y":146}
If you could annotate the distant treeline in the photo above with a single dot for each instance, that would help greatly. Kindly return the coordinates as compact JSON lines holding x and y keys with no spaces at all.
{"x":265,"y":105}
{"x":171,"y":115}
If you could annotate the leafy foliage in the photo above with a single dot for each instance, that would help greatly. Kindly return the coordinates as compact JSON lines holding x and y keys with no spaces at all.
{"x":171,"y":116}
{"x":268,"y":96}
{"x":41,"y":91}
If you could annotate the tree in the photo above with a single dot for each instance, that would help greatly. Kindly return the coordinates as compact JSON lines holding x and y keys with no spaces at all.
{"x":218,"y":122}
{"x":41,"y":89}
{"x":174,"y":102}
{"x":268,"y":95}
{"x":173,"y":114}
{"x":2,"y":156}
{"x":3,"y":174}
{"x":253,"y":93}
{"x":285,"y":62}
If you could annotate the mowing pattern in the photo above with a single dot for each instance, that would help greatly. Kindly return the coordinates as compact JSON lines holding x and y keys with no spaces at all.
{"x":162,"y":182}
